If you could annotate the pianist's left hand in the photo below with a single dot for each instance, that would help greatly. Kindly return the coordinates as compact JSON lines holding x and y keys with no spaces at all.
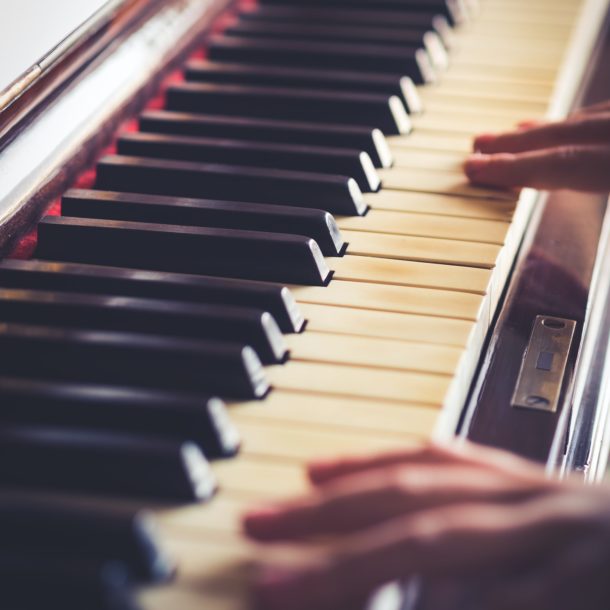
{"x":453,"y":515}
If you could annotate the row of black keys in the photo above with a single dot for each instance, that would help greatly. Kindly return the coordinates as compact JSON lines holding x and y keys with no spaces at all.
{"x":287,"y":172}
{"x":252,"y":240}
{"x":61,"y":431}
{"x":270,"y":147}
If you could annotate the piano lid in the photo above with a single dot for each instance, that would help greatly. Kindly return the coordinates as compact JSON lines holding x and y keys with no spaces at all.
{"x":35,"y":36}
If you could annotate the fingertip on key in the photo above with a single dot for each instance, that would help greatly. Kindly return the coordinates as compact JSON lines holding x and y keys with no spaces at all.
{"x":259,"y":523}
{"x":274,"y":588}
{"x":475,"y":164}
{"x":483,"y":141}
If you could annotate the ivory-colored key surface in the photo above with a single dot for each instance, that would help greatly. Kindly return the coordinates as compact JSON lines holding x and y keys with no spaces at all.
{"x":374,"y":353}
{"x":409,"y":273}
{"x":340,"y":414}
{"x":476,"y":102}
{"x":260,"y":478}
{"x":386,"y":325}
{"x":485,"y":42}
{"x":427,"y":225}
{"x":177,"y":597}
{"x":545,"y":57}
{"x":358,"y":381}
{"x":407,"y":247}
{"x":427,"y":159}
{"x":465,"y":125}
{"x":222,"y":515}
{"x":287,"y":442}
{"x":401,"y":299}
{"x":432,"y":181}
{"x":512,"y":72}
{"x":479,"y":82}
{"x":458,"y":111}
{"x":443,"y":142}
{"x":443,"y":205}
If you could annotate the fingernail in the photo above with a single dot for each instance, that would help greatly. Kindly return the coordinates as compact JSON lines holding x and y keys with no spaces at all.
{"x":483,"y":140}
{"x":475,"y":164}
{"x":261,"y":514}
{"x":319,"y":466}
{"x":254,"y":519}
{"x":528,"y":124}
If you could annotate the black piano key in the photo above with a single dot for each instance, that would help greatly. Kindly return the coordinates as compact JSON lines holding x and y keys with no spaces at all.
{"x":46,"y":526}
{"x":276,"y":76}
{"x":371,"y":141}
{"x":335,"y":194}
{"x":336,"y":107}
{"x":92,"y":462}
{"x":33,"y":581}
{"x":315,"y":33}
{"x":403,"y":20}
{"x":322,"y":32}
{"x":220,"y":252}
{"x":409,"y":61}
{"x":174,"y":416}
{"x":121,"y":358}
{"x":317,"y":224}
{"x":252,"y":327}
{"x":453,"y":10}
{"x":94,"y":279}
{"x":353,"y":163}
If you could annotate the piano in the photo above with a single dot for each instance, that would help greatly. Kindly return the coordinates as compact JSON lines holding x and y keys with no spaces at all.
{"x":236,"y":237}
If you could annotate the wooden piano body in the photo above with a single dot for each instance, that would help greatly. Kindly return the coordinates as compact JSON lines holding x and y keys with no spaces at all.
{"x":423,"y":328}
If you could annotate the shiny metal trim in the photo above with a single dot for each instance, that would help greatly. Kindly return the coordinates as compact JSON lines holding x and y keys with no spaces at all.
{"x":95,"y":23}
{"x":544,"y":365}
{"x":587,"y":424}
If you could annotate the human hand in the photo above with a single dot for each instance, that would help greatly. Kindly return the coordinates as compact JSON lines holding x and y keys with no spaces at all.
{"x":451,"y":515}
{"x":572,"y":154}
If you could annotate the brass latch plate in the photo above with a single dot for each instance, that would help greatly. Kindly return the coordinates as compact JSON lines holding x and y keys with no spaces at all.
{"x":544,"y":364}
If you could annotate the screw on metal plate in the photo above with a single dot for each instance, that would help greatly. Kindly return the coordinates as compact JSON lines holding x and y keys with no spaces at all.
{"x":537,"y":401}
{"x":544,"y":364}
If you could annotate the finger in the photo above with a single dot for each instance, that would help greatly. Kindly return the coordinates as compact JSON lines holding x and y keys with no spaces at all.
{"x":576,"y":168}
{"x":466,"y":454}
{"x":551,"y":586}
{"x":446,"y":543}
{"x":364,"y":500}
{"x":586,"y":130}
{"x":595,"y":108}
{"x":528,"y":124}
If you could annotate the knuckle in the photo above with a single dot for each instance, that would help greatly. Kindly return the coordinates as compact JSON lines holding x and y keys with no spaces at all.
{"x":427,"y":531}
{"x":435,"y":450}
{"x":403,"y":482}
{"x":565,"y":155}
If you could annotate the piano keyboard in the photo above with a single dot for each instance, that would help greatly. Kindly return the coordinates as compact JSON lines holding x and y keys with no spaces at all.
{"x":306,"y":249}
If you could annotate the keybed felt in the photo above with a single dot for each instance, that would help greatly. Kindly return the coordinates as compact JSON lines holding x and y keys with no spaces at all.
{"x":395,"y":283}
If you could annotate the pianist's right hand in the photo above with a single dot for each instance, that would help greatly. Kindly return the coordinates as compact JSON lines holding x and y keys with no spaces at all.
{"x":453,"y":515}
{"x":572,"y":154}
